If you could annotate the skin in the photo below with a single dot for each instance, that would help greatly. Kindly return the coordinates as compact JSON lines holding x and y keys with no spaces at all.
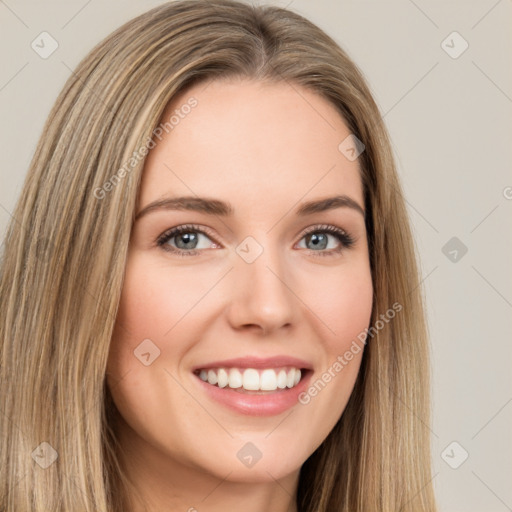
{"x":265,"y":148}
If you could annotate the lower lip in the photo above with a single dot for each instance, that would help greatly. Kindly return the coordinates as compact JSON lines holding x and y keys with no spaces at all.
{"x":269,"y":404}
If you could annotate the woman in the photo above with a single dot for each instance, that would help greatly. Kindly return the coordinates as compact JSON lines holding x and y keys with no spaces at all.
{"x":210,"y":297}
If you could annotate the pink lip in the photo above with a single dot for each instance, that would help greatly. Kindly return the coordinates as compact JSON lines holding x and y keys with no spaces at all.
{"x":269,"y":404}
{"x":256,"y":363}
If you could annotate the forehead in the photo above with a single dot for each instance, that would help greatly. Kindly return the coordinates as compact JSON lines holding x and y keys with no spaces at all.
{"x":251,"y":143}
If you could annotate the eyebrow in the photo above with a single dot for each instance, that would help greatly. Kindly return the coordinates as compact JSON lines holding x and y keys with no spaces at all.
{"x":216,"y":207}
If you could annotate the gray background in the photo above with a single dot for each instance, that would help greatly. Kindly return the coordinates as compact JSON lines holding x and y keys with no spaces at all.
{"x":450,"y":123}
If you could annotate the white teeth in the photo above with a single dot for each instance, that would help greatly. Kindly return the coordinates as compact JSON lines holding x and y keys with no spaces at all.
{"x":235,"y":378}
{"x":268,"y":380}
{"x":251,"y":379}
{"x":291,"y":378}
{"x":222,"y":377}
{"x":212,"y":377}
{"x":281,"y":379}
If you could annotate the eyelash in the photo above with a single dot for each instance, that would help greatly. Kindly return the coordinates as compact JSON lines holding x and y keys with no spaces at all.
{"x":346,"y":240}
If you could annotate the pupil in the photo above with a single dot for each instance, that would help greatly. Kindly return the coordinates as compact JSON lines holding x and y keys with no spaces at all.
{"x":315,"y":238}
{"x":187,"y":237}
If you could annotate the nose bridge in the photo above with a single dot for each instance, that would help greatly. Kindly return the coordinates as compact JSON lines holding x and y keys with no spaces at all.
{"x":263,"y":294}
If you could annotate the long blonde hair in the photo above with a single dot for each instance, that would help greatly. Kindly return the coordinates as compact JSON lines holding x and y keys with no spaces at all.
{"x":65,"y":252}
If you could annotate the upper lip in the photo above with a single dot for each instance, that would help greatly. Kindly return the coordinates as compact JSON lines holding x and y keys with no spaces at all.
{"x":256,"y":362}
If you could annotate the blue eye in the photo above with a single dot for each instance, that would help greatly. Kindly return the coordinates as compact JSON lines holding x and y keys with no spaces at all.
{"x":186,"y":240}
{"x":318,"y":236}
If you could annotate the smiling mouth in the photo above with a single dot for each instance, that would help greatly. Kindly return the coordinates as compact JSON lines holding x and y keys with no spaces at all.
{"x":251,"y":380}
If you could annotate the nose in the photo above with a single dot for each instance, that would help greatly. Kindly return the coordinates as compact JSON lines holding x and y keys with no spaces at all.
{"x":263,"y":298}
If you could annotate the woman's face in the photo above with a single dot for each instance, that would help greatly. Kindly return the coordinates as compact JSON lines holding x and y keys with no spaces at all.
{"x":260,"y":282}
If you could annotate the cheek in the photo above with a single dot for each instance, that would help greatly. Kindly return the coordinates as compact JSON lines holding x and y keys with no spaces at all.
{"x":148,"y":309}
{"x":343,"y":305}
{"x":344,"y":311}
